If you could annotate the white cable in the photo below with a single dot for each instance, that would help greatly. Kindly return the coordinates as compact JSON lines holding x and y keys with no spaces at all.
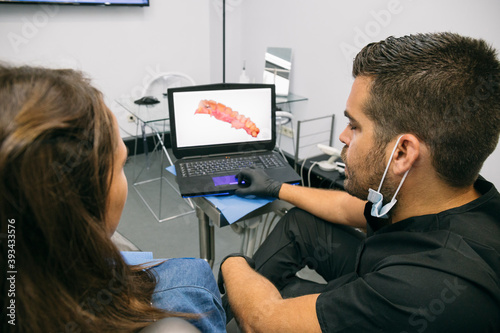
{"x":281,"y":134}
{"x":293,"y":135}
{"x":303,"y":163}
{"x":302,"y":170}
{"x":282,"y":153}
{"x":309,"y":174}
{"x":289,"y":116}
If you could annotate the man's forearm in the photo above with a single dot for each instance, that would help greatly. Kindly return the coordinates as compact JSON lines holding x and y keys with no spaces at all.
{"x":248,"y":292}
{"x":330,"y":205}
{"x":258,"y":305}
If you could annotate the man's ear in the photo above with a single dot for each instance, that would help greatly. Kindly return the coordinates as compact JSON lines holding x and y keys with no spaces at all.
{"x":406,"y":154}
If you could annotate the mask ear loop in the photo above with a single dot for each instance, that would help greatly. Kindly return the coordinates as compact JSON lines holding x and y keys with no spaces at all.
{"x":387,"y":168}
{"x":400,"y":184}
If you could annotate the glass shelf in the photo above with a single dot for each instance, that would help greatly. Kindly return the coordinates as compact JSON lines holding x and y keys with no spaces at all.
{"x":146,"y":113}
{"x":291,"y":98}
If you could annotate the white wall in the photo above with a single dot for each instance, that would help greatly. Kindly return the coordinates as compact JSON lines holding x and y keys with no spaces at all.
{"x":120,"y":48}
{"x":325,"y":36}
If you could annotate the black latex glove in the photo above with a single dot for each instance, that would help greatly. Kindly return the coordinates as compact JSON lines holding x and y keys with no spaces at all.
{"x":220,"y":278}
{"x":257,"y":182}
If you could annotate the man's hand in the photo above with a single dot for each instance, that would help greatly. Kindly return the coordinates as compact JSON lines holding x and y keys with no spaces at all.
{"x":257,"y":182}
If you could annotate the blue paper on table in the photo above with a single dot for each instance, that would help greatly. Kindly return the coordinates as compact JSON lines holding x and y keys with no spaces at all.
{"x":233,"y":207}
{"x":138,"y":257}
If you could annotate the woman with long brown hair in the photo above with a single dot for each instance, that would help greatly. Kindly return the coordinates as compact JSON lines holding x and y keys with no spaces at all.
{"x":62,"y":192}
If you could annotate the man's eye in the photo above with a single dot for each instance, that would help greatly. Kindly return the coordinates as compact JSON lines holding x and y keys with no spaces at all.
{"x":352,"y":127}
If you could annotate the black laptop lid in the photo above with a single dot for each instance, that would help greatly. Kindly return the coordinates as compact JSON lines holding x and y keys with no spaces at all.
{"x":222,"y":118}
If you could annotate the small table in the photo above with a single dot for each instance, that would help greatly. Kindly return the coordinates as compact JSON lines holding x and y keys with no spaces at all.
{"x":208,"y":216}
{"x":147,"y":116}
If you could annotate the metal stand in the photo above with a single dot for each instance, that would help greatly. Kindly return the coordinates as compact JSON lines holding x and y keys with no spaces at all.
{"x":209,"y":216}
{"x":164,"y":152}
{"x":314,"y":134}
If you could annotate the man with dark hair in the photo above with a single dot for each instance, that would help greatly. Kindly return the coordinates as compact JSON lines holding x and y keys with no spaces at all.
{"x":424,"y":114}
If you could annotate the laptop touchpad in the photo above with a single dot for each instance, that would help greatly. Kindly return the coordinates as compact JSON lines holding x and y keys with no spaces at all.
{"x":225,"y":180}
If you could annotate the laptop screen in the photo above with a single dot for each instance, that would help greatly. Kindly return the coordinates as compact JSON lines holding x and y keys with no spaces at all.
{"x":221,"y":118}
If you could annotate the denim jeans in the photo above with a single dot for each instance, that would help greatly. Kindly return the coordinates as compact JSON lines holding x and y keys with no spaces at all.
{"x":188,"y":285}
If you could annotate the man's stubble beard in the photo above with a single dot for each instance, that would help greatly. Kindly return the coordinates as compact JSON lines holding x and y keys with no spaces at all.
{"x":368,"y":174}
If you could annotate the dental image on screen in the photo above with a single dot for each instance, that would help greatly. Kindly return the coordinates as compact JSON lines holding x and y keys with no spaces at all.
{"x":222,"y":116}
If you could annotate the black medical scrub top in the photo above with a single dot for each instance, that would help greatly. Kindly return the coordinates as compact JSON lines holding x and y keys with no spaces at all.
{"x":431,"y":273}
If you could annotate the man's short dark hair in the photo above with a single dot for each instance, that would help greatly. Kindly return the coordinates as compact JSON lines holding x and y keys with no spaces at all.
{"x":442,"y":87}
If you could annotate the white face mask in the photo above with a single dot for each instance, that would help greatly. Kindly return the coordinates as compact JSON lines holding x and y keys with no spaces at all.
{"x":377,"y":198}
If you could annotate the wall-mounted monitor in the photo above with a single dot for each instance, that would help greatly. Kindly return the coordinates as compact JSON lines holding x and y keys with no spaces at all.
{"x":81,"y":2}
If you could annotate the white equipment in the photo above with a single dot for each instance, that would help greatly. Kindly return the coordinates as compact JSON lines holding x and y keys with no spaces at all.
{"x":330,"y":164}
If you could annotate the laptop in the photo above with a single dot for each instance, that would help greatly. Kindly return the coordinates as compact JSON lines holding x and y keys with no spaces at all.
{"x":218,"y":129}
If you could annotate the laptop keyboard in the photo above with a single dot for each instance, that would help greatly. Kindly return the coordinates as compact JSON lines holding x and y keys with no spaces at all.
{"x":219,"y":165}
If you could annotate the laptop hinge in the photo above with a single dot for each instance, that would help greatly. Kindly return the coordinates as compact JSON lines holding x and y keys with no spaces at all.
{"x":238,"y":153}
{"x":225,"y":154}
